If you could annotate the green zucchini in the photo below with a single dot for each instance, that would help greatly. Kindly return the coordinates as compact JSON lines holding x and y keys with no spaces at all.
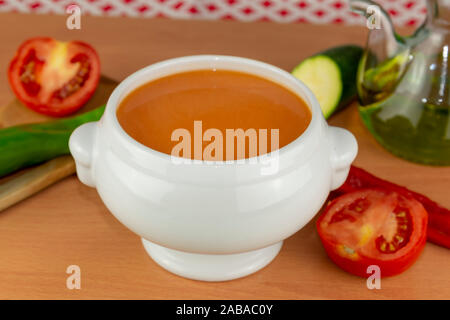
{"x":331,"y":76}
{"x":26,"y":145}
{"x":385,"y":76}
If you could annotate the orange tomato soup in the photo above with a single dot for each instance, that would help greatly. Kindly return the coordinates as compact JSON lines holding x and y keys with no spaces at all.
{"x":220,"y":100}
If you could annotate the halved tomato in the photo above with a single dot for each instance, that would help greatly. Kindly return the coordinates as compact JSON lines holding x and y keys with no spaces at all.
{"x":373,"y":227}
{"x":52,"y":77}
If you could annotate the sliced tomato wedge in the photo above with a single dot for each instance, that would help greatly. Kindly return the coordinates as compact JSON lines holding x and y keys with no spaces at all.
{"x":52,"y":77}
{"x":373,"y":227}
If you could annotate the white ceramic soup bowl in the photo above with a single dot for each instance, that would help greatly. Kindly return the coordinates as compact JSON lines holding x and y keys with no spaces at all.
{"x":212,"y":221}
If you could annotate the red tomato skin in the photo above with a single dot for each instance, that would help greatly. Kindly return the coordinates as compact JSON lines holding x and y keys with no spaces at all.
{"x":63,"y":109}
{"x":359,"y":266}
{"x":438,"y":230}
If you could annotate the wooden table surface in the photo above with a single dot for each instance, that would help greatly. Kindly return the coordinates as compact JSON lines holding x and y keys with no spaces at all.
{"x":67,"y":224}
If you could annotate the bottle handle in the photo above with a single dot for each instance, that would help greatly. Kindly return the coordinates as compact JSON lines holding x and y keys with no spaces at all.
{"x":367,"y":8}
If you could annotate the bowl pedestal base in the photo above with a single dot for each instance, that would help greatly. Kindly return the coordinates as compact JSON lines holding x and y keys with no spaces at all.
{"x":211,"y":267}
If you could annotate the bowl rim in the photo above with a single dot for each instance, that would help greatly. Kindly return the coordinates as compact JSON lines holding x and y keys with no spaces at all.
{"x":188,"y":62}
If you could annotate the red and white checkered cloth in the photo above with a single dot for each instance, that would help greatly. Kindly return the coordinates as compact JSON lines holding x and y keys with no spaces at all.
{"x":403,"y":12}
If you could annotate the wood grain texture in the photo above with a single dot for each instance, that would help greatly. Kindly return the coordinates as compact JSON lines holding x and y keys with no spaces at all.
{"x":27,"y":182}
{"x":15,"y":113}
{"x":31,"y":181}
{"x":68,"y":224}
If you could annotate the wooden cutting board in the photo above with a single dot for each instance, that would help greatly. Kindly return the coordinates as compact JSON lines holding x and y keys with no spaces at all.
{"x":22,"y":184}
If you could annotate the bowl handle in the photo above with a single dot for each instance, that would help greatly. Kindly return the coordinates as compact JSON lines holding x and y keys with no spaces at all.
{"x":343,"y":151}
{"x":81,"y":145}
